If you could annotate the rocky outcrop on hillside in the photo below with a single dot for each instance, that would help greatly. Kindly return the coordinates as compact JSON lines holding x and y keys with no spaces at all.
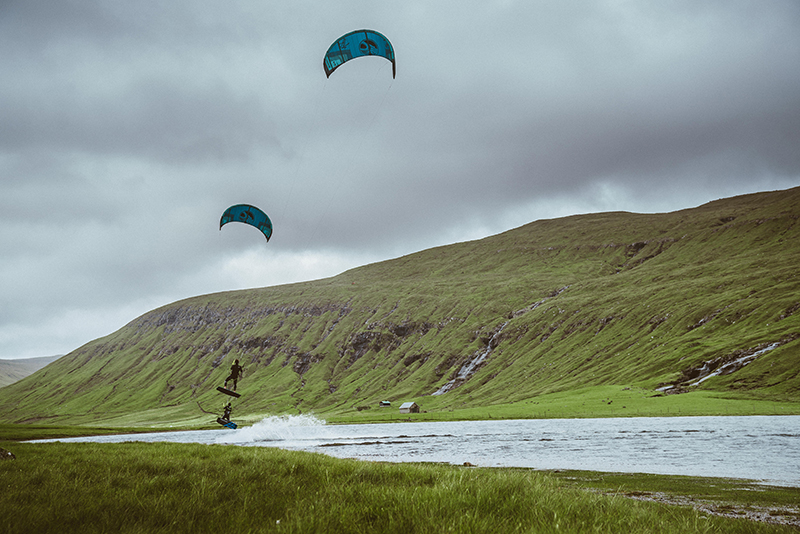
{"x":721,"y":366}
{"x":193,"y":318}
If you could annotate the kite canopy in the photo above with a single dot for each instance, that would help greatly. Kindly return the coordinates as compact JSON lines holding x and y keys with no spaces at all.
{"x":245,"y":213}
{"x":358,"y":44}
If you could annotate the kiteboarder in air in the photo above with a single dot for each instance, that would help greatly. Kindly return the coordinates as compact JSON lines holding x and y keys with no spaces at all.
{"x":236,"y":373}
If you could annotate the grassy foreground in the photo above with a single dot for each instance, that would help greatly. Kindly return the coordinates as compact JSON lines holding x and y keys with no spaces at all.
{"x":168,"y":487}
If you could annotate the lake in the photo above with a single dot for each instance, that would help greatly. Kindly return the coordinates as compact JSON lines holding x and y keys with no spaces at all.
{"x":762,"y":448}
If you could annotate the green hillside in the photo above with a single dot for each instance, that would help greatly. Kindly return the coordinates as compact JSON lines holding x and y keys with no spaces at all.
{"x":570,"y":309}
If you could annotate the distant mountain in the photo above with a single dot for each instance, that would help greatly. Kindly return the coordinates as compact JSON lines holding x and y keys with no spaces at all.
{"x":648,"y":300}
{"x":14,"y":370}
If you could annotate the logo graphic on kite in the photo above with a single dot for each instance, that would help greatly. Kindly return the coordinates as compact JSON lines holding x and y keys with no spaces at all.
{"x":247,"y":214}
{"x":356,"y":44}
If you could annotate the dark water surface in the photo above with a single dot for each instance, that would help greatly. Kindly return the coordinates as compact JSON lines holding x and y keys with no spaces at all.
{"x":763,"y":448}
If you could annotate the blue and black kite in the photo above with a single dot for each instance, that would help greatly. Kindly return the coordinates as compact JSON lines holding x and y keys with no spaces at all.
{"x":358,"y":44}
{"x":245,"y":213}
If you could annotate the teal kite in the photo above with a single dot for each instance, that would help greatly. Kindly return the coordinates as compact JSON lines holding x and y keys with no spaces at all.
{"x":245,"y":213}
{"x":358,"y":44}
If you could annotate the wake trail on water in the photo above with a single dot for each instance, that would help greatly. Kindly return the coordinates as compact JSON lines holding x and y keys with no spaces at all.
{"x":274,"y":428}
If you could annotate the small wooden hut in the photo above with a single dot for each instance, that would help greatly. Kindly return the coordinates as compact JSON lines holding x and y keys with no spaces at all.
{"x":409,"y":407}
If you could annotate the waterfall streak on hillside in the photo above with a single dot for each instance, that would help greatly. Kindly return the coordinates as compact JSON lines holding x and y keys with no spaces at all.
{"x":468,"y":368}
{"x":535,"y":305}
{"x":734,"y":365}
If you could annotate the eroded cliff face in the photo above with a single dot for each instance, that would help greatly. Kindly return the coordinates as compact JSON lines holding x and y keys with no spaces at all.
{"x":298,"y":355}
{"x":256,"y":333}
{"x":294,"y":336}
{"x":312,"y":355}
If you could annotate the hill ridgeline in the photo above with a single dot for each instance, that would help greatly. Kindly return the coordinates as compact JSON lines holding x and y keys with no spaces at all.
{"x":700,"y":299}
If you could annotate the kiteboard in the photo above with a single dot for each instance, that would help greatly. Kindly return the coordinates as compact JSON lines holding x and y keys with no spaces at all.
{"x":226,"y":423}
{"x":228,"y":392}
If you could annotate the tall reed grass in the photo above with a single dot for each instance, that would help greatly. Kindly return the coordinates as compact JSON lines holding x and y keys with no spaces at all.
{"x":191,"y":488}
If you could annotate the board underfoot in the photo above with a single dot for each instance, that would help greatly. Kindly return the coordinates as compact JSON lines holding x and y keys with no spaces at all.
{"x":226,"y":423}
{"x":228,"y":392}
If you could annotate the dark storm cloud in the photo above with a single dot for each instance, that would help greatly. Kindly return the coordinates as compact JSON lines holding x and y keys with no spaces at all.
{"x":113,"y":90}
{"x":128,"y":127}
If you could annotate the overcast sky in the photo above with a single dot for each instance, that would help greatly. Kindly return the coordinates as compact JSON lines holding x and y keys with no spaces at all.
{"x":127,"y":128}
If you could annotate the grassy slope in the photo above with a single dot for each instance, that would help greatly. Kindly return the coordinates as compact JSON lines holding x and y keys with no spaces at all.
{"x":587,"y":304}
{"x":171,"y":487}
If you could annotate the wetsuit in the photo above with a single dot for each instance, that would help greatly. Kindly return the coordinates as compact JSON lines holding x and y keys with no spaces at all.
{"x":236,"y":372}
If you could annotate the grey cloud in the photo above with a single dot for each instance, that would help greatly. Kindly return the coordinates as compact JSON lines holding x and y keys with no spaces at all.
{"x":128,"y":128}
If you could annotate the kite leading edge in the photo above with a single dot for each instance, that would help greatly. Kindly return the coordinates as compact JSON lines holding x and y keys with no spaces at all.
{"x":356,"y":44}
{"x":245,"y":213}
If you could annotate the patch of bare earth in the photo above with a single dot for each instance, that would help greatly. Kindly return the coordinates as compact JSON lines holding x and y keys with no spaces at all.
{"x":778,"y":515}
